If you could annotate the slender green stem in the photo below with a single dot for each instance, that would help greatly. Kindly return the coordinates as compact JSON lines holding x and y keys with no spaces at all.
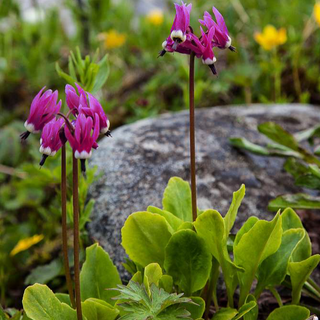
{"x":211,"y":293}
{"x":76,"y":235}
{"x":192,"y":139}
{"x":314,"y":285}
{"x":64,"y":224}
{"x":276,"y":295}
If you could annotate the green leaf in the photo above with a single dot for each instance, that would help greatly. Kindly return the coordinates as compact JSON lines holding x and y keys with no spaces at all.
{"x":247,"y":226}
{"x":166,"y":283}
{"x":299,"y":274}
{"x":44,"y":274}
{"x":273,"y":269}
{"x":295,"y":201}
{"x":225,"y":314}
{"x":152,"y":274}
{"x":98,"y":274}
{"x":102,"y":75}
{"x":95,"y":309}
{"x":188,"y":261}
{"x":261,"y":241}
{"x":290,"y":220}
{"x":243,"y":143}
{"x":277,"y":134}
{"x":64,"y":75}
{"x":247,"y":307}
{"x":40,"y":303}
{"x":63,"y":297}
{"x":144,"y":237}
{"x":307,"y":134}
{"x":289,"y":313}
{"x":177,"y":199}
{"x":254,"y":312}
{"x":138,"y":305}
{"x":295,"y":167}
{"x":173,"y":221}
{"x":186,"y":226}
{"x":231,"y":215}
{"x":211,"y":228}
{"x":196,"y":310}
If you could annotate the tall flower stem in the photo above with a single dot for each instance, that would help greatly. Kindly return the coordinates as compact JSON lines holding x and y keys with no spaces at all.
{"x":64,"y":223}
{"x":192,"y":139}
{"x":76,"y":235}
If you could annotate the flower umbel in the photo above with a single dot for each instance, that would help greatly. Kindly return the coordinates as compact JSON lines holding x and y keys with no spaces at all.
{"x":271,"y":38}
{"x":183,"y":40}
{"x":43,"y":109}
{"x":86,"y":103}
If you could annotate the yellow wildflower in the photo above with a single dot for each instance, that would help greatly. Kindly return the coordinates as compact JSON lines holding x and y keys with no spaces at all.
{"x":25,"y":244}
{"x":155,"y":17}
{"x":316,"y":12}
{"x":112,"y":39}
{"x":271,"y":37}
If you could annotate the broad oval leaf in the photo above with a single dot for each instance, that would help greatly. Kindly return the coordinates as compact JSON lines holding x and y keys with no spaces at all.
{"x":152,"y":274}
{"x":245,"y":228}
{"x":188,"y":261}
{"x":261,"y":241}
{"x":299,"y":274}
{"x":289,"y":313}
{"x":196,"y":310}
{"x":177,"y":199}
{"x":290,"y":220}
{"x":225,"y":314}
{"x":254,"y":312}
{"x":245,"y":309}
{"x":98,"y":274}
{"x":40,"y":303}
{"x":144,"y":237}
{"x":173,"y":221}
{"x":273,"y":269}
{"x":96,"y":309}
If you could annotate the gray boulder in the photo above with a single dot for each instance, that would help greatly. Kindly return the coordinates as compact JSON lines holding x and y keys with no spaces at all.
{"x":136,"y":164}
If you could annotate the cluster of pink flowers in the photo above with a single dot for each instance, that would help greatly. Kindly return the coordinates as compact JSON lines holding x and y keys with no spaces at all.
{"x":56,"y":129}
{"x":183,"y":40}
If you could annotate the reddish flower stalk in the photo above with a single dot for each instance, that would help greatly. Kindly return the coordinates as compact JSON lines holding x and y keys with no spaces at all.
{"x":192,"y":139}
{"x":76,"y":236}
{"x":64,"y":224}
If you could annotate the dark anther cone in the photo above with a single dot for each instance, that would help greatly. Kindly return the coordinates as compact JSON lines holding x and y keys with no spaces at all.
{"x":232,"y":48}
{"x":213,"y":69}
{"x":24,"y":135}
{"x":43,"y":160}
{"x":108,"y":134}
{"x":83,"y":166}
{"x":162,"y":53}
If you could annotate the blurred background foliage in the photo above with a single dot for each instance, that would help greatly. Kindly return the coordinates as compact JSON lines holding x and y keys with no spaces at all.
{"x":34,"y":38}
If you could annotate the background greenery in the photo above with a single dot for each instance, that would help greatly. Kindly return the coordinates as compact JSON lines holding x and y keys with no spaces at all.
{"x":139,"y":85}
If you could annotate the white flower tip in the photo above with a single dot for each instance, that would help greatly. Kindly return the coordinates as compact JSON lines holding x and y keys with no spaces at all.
{"x":228,"y":44}
{"x":29,"y":127}
{"x":82,"y":154}
{"x":178,"y":34}
{"x":47,"y":151}
{"x":209,"y":61}
{"x":164,"y":44}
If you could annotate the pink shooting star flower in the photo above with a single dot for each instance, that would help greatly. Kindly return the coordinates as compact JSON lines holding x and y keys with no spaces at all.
{"x":74,"y":99}
{"x":84,"y":137}
{"x":208,"y":57}
{"x":181,"y":23}
{"x":43,"y":109}
{"x":179,"y":30}
{"x":221,"y":37}
{"x":86,"y":103}
{"x":50,"y":141}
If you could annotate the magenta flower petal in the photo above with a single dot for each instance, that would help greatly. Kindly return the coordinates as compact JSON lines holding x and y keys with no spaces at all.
{"x":43,"y":109}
